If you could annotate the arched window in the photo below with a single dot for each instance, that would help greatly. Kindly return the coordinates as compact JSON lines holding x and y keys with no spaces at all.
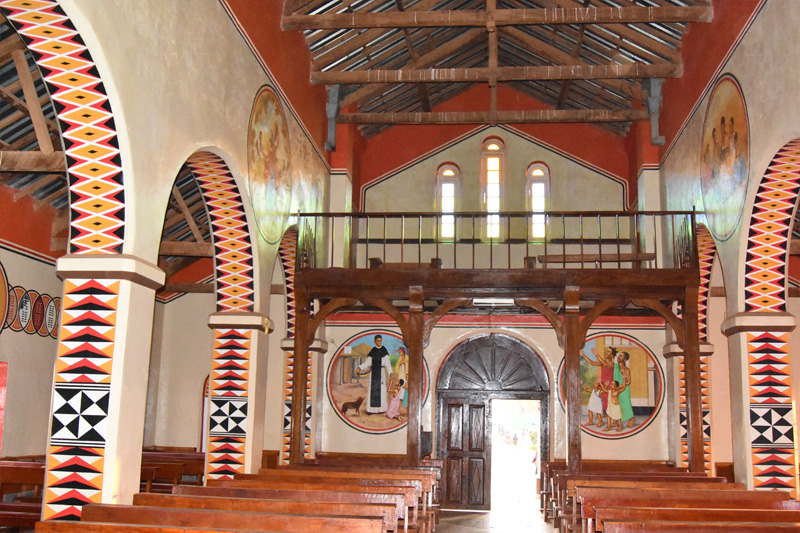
{"x":447,"y":184}
{"x":492,"y":178}
{"x":536,"y":190}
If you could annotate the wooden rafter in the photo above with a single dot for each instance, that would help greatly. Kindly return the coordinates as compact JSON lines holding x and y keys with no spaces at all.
{"x":424,"y":97}
{"x":40,"y":125}
{"x":501,"y":17}
{"x":176,"y":193}
{"x":32,"y":161}
{"x":562,"y":95}
{"x":189,"y":249}
{"x":502,"y":117}
{"x":500,"y":74}
{"x":38,"y":184}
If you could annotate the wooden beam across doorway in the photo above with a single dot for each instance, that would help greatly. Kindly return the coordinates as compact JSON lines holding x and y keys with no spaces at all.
{"x":501,"y":74}
{"x":32,"y":161}
{"x":500,"y":117}
{"x":500,"y":17}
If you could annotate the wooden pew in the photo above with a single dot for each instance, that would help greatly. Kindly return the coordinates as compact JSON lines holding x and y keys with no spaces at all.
{"x":636,"y":514}
{"x":193,"y":462}
{"x":560,"y":483}
{"x":591,"y":498}
{"x":58,"y":526}
{"x":165,"y":476}
{"x":563,"y":486}
{"x":288,"y":523}
{"x":700,"y":527}
{"x":397,"y":500}
{"x":387,"y":511}
{"x":410,"y":513}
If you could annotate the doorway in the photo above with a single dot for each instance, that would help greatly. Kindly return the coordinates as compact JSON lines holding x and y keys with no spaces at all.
{"x":478,"y":372}
{"x":515,"y":452}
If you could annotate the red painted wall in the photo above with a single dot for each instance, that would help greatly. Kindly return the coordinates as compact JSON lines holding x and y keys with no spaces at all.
{"x":23,"y":224}
{"x":706,"y":46}
{"x":395,"y":146}
{"x":288,"y":59}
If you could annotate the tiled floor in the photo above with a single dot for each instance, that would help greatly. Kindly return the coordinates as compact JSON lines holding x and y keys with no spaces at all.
{"x":497,"y":521}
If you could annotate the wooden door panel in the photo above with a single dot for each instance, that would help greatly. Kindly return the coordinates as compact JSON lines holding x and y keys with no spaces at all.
{"x":454,"y":429}
{"x":477,"y":428}
{"x":453,"y":471}
{"x":475,"y":484}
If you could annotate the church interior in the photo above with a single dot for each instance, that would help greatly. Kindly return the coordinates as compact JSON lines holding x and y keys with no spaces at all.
{"x":469,"y":234}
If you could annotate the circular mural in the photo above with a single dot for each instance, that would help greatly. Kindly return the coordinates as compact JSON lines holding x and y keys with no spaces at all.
{"x":725,"y":158}
{"x":622,"y":386}
{"x":4,"y":293}
{"x":269,"y":162}
{"x":368,"y":382}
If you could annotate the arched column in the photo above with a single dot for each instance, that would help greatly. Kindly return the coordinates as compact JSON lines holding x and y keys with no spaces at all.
{"x":762,"y":411}
{"x":234,"y":441}
{"x":109,"y":298}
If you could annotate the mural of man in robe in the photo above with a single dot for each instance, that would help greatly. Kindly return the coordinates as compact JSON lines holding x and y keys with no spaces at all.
{"x":379,"y":366}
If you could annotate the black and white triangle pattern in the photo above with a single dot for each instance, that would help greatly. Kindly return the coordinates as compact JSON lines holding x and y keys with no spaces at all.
{"x":771,"y":425}
{"x":80,"y":414}
{"x":228,"y":417}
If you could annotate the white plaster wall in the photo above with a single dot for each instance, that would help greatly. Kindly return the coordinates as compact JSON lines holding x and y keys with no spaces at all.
{"x":573,"y":187}
{"x":184,"y":357}
{"x":31,"y":363}
{"x":648,"y":444}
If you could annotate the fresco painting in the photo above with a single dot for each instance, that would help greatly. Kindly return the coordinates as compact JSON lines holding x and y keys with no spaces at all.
{"x":622,"y":386}
{"x":368,"y":382}
{"x":270,"y":165}
{"x":725,"y":158}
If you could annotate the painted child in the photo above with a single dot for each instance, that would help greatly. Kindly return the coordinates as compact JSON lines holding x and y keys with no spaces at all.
{"x":595,"y":402}
{"x":396,"y":392}
{"x":614,"y":411}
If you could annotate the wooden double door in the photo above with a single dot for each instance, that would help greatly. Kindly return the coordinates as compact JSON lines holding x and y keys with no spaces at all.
{"x":478,"y":371}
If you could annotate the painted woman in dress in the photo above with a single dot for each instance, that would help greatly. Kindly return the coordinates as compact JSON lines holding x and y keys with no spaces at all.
{"x":622,"y":374}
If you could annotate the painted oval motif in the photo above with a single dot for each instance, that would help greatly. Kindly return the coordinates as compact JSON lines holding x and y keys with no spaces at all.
{"x":44,"y":303}
{"x":725,"y":158}
{"x":13,"y":306}
{"x":269,"y":165}
{"x":4,"y":300}
{"x":383,"y":409}
{"x":622,"y":386}
{"x":51,"y":316}
{"x":24,"y":313}
{"x":37,"y":313}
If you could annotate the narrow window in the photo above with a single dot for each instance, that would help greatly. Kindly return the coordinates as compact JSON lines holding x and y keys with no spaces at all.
{"x":447,"y":179}
{"x":538,"y":182}
{"x":493,"y":170}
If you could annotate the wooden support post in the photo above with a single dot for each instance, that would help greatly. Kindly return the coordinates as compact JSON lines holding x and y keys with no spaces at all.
{"x":413,"y":340}
{"x":572,"y":345}
{"x":691,"y":362}
{"x":299,"y":375}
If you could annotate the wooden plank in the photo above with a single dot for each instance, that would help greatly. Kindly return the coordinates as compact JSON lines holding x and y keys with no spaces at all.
{"x":186,"y":248}
{"x":502,"y":74}
{"x":596,"y":258}
{"x":695,"y":515}
{"x":549,"y":116}
{"x":700,"y":527}
{"x":32,"y":161}
{"x":501,"y":17}
{"x":32,"y":101}
{"x":176,"y":193}
{"x":188,"y":288}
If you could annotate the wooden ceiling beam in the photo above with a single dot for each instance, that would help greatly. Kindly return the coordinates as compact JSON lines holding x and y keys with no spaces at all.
{"x":176,"y":193}
{"x":188,"y":288}
{"x":32,"y":161}
{"x":502,"y":17}
{"x":187,"y":249}
{"x":502,"y":117}
{"x":559,"y":57}
{"x":501,"y":74}
{"x":576,"y":52}
{"x":32,"y":100}
{"x":466,"y":39}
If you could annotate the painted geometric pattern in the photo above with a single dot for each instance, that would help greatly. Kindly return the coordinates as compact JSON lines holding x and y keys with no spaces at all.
{"x":230,"y":375}
{"x":770,"y":228}
{"x":771,"y":411}
{"x":97,"y":199}
{"x":81,"y":397}
{"x":233,"y":253}
{"x":287,"y":251}
{"x":706,"y":251}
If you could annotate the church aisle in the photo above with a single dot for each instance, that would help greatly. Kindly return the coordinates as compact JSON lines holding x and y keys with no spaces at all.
{"x":506,"y":520}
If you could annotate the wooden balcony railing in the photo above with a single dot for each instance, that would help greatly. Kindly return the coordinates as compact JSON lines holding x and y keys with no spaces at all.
{"x":511,"y":240}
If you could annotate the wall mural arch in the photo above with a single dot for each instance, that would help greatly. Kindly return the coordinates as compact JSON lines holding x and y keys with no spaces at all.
{"x":235,"y":288}
{"x":772,"y":419}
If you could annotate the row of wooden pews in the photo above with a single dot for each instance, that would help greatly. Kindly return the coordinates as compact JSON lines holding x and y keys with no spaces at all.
{"x":21,"y":485}
{"x":307,"y":499}
{"x":625,"y":497}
